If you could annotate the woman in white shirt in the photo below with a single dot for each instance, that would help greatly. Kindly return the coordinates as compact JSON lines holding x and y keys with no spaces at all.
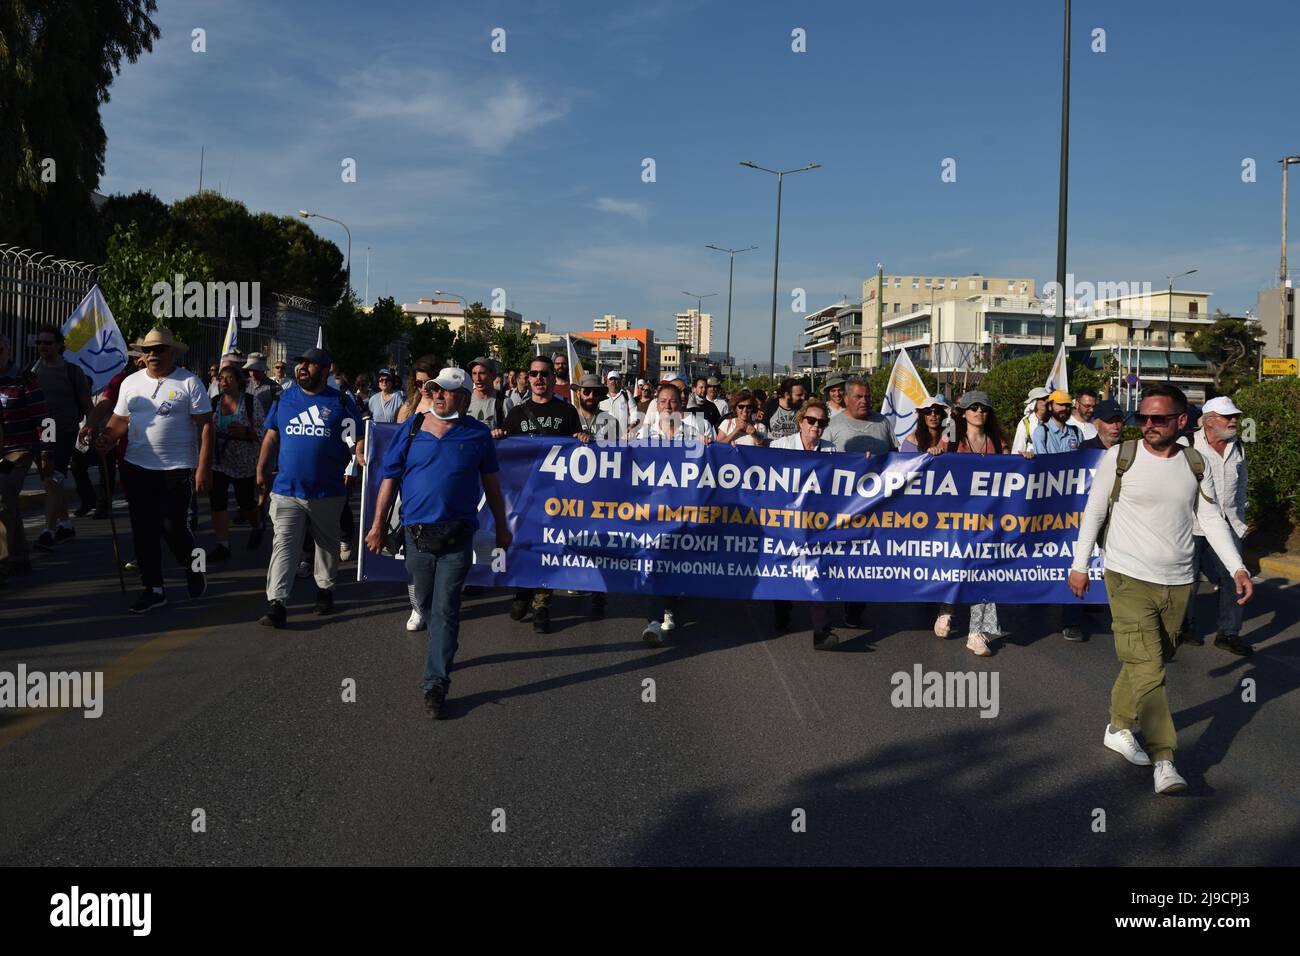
{"x":742,"y":428}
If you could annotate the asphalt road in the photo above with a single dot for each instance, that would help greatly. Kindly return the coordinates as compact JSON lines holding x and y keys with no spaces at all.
{"x":205,"y":709}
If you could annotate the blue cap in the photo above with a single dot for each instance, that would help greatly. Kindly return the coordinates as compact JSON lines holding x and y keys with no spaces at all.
{"x":319,"y":356}
{"x":1107,"y":410}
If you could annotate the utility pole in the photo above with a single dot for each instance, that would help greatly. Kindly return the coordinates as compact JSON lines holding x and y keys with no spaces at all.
{"x":1058,"y":337}
{"x":1282,"y":297}
{"x":880,"y":315}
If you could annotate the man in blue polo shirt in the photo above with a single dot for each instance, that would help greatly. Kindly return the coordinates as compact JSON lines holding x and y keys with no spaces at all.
{"x":441,"y":465}
{"x":309,"y":427}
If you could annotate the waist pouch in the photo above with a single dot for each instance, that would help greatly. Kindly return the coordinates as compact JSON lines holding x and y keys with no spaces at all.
{"x":440,"y":535}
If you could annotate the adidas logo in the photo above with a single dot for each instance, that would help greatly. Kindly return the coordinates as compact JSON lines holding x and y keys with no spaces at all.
{"x":308,"y":423}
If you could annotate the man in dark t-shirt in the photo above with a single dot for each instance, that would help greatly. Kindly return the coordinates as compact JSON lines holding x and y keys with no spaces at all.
{"x":542,"y":416}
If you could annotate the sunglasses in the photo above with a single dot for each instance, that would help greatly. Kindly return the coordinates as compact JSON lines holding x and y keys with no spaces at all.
{"x":982,"y":409}
{"x":155,"y":350}
{"x":932,"y":411}
{"x":590,"y":391}
{"x":1158,"y":420}
{"x":433,"y":388}
{"x":815,"y":422}
{"x":750,"y":405}
{"x":538,"y":373}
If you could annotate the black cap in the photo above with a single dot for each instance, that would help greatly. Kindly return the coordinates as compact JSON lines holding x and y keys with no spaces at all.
{"x":1106,"y":410}
{"x":319,"y":356}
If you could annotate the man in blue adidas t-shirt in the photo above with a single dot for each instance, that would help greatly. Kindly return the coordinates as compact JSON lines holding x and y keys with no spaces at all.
{"x":308,"y":427}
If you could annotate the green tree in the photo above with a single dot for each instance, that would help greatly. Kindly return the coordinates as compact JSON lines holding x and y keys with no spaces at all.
{"x":475,"y":337}
{"x":513,"y":349}
{"x":430,"y":337}
{"x":1010,"y":381}
{"x":58,"y":59}
{"x":359,"y":341}
{"x":131,"y":269}
{"x":1231,"y":346}
{"x":150,"y":214}
{"x":280,"y":252}
{"x":1272,"y":419}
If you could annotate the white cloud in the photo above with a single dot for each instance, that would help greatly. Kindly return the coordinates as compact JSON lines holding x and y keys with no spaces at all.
{"x":489,"y":114}
{"x":623,"y":207}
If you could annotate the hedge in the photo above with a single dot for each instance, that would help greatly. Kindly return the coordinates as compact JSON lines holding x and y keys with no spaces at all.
{"x":1269,"y":429}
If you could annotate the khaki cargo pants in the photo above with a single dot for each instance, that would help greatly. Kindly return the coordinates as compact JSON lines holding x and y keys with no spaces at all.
{"x":1145,"y":618}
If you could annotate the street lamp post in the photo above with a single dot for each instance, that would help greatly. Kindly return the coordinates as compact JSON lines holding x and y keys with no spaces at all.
{"x":1058,"y":335}
{"x":776,"y":254}
{"x":731,"y":271}
{"x":1169,"y":331}
{"x":307,"y":215}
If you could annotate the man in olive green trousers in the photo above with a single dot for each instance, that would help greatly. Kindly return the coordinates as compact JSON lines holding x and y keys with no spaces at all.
{"x":1149,"y":496}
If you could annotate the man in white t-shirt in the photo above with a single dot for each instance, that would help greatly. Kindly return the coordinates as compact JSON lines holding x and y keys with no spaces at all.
{"x":1149,"y":554}
{"x":162,"y":409}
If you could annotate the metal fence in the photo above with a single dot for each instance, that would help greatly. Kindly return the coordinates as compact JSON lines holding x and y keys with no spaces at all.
{"x":38,"y":289}
{"x":35,"y":290}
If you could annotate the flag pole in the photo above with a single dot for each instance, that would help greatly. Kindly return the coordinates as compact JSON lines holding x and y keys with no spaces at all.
{"x":112,"y":522}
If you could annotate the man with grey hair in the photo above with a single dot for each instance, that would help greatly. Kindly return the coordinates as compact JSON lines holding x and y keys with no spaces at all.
{"x":858,"y":429}
{"x":1219,"y":444}
{"x":259,"y":384}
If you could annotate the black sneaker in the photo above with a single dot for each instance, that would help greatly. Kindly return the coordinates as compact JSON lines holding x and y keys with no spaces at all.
{"x":1191,"y":637}
{"x":1232,"y":643}
{"x":255,"y":538}
{"x":434,"y":698}
{"x":275,"y":615}
{"x":518,"y":609}
{"x":64,"y":533}
{"x":83,"y":511}
{"x":541,"y":620}
{"x":324,"y":600}
{"x":46,"y":541}
{"x":1072,"y":634}
{"x":220,"y":553}
{"x":147,"y":601}
{"x":598,"y":604}
{"x":196,"y":583}
{"x":825,"y":640}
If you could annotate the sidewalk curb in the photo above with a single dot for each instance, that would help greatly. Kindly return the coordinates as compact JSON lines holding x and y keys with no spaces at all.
{"x":1282,"y":565}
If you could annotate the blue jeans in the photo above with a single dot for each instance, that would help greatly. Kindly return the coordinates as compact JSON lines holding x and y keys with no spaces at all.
{"x":438,"y":580}
{"x":1230,"y":612}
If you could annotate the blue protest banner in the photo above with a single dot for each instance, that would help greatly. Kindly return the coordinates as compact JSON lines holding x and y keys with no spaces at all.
{"x":745,"y":522}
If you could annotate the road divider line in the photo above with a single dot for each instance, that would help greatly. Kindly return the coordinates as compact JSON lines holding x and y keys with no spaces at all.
{"x":115,"y":672}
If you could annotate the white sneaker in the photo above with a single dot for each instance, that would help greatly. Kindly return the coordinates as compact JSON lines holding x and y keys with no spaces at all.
{"x":345,"y":551}
{"x":669,"y":622}
{"x":943,"y":625}
{"x":1124,"y":744}
{"x":652,"y":634}
{"x":1167,"y":778}
{"x":978,"y":645}
{"x":415,"y":622}
{"x":304,"y":569}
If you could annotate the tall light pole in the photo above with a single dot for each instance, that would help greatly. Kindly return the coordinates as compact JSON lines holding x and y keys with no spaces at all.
{"x":1169,"y":331}
{"x":307,"y":215}
{"x":1286,"y":161}
{"x":1058,"y":337}
{"x":731,"y":271}
{"x":699,"y":312}
{"x":367,"y":277}
{"x":776,"y":254}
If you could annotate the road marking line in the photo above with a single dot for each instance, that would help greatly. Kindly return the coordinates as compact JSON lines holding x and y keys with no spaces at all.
{"x":115,"y":672}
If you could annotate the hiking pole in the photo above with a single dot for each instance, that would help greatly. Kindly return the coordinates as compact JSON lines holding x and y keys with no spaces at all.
{"x":112,"y":522}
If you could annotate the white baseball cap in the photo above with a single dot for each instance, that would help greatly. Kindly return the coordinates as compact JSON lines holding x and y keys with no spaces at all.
{"x":451,"y":379}
{"x":614,"y":374}
{"x":1220,"y":406}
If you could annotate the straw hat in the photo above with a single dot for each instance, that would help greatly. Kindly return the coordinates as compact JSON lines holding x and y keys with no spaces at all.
{"x":162,"y":336}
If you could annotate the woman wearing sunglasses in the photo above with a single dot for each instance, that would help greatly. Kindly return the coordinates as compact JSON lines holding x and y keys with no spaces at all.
{"x":742,"y":428}
{"x":423,"y":370}
{"x":977,"y":433}
{"x":931,"y":419}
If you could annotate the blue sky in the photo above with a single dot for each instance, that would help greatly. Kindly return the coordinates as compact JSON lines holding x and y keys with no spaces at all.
{"x":522,"y":169}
